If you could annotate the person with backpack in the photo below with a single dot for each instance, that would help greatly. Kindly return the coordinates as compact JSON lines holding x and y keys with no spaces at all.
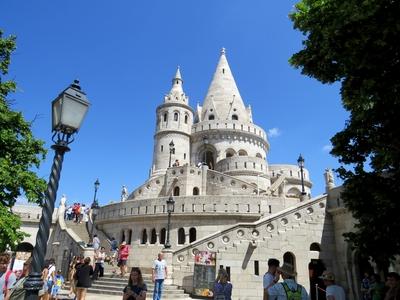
{"x":289,"y":289}
{"x":222,"y":287}
{"x":18,"y":291}
{"x":7,"y":277}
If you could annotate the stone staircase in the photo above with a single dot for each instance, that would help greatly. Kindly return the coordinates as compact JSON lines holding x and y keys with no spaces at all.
{"x":79,"y":229}
{"x":112,"y":284}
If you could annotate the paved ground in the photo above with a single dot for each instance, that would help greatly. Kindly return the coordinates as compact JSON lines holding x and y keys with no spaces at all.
{"x":64,"y":296}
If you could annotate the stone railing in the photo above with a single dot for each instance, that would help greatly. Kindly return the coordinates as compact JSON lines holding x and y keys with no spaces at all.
{"x":256,"y":231}
{"x":241,"y":163}
{"x":230,"y":125}
{"x":184,"y":205}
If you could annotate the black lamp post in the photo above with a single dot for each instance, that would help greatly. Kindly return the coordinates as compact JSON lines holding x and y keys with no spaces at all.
{"x":94,"y":208}
{"x":68,"y":110}
{"x":171,"y":151}
{"x":170,"y":209}
{"x":300,"y":162}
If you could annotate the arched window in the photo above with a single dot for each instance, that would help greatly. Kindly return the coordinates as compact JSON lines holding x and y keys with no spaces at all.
{"x":315,"y":247}
{"x":242,"y":153}
{"x":186,"y":119}
{"x":144,"y":237}
{"x":289,"y":258}
{"x":258,"y":155}
{"x":176,"y":191}
{"x":122,"y":236}
{"x":165,"y":117}
{"x":153,"y":237}
{"x":229,"y":152}
{"x":235,"y":117}
{"x":176,"y":116}
{"x":162,"y":236}
{"x":181,"y":236}
{"x":211,"y":117}
{"x":195,"y":191}
{"x":192,"y":234}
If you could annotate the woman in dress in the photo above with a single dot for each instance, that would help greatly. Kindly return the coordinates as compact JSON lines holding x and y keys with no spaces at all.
{"x":222,"y":287}
{"x":136,"y":288}
{"x":123,"y":258}
{"x":83,"y":281}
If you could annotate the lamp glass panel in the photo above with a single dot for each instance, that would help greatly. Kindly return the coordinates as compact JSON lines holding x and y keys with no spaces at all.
{"x":56,"y":108}
{"x":73,"y":112}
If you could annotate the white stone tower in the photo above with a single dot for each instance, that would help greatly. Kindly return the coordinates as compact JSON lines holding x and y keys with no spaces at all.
{"x":174,"y":123}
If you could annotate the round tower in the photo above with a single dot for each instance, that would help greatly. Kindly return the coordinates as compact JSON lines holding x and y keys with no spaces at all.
{"x":174,"y":123}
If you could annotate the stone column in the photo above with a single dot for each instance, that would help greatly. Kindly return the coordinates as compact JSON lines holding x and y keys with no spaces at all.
{"x":168,"y":255}
{"x":204,"y":169}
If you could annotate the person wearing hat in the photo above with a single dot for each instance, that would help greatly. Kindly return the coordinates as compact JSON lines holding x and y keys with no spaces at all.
{"x":333,"y":291}
{"x":272,"y":276}
{"x":289,"y":288}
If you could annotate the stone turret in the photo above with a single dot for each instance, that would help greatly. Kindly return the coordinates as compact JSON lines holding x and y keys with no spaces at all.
{"x":174,"y":122}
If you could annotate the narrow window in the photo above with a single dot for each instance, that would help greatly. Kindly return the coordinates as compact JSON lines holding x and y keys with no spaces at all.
{"x":223,"y":71}
{"x":165,"y":117}
{"x":256,"y":268}
{"x":235,"y":117}
{"x":162,"y":236}
{"x":192,"y":234}
{"x":162,"y":148}
{"x":176,"y":191}
{"x":186,"y":119}
{"x":181,"y":236}
{"x":153,"y":237}
{"x":195,"y":191}
{"x":144,"y":237}
{"x":175,"y":116}
{"x":184,"y":155}
{"x":211,"y":117}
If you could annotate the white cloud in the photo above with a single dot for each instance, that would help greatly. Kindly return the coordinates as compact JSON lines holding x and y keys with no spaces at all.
{"x":327,"y":148}
{"x":274,"y":132}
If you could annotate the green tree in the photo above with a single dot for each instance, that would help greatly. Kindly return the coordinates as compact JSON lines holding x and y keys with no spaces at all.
{"x":357,"y":44}
{"x":20,"y":152}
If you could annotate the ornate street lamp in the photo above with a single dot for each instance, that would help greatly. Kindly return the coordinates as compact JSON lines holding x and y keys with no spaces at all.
{"x":171,"y":151}
{"x":94,"y":208}
{"x":170,"y":209}
{"x":69,"y":110}
{"x":300,"y":162}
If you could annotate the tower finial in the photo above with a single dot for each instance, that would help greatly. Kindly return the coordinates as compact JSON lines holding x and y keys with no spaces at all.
{"x":223,"y":51}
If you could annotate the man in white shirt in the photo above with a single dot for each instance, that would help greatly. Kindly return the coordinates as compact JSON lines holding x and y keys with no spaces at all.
{"x":333,"y":291}
{"x":271,"y":276}
{"x":158,"y":275}
{"x":288,"y":289}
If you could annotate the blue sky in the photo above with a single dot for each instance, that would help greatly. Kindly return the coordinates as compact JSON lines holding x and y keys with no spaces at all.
{"x":125,"y":54}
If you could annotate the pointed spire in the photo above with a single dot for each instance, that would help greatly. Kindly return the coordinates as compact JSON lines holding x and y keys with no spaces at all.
{"x":223,"y":98}
{"x":177,"y":81}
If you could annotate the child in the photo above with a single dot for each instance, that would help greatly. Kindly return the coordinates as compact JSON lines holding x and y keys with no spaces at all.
{"x":58,"y":284}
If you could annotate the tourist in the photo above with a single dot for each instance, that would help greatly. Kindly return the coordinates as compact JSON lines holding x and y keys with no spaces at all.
{"x":376,"y":287}
{"x":17,"y":291}
{"x":113,"y":250}
{"x":71,"y":275}
{"x":222,"y":287}
{"x":96,"y":242}
{"x":333,"y":291}
{"x":365,"y":287}
{"x":51,"y":273}
{"x":58,"y":284}
{"x":99,"y":257}
{"x":7,"y":277}
{"x":123,"y":255}
{"x":176,"y":163}
{"x":159,"y":273}
{"x":393,"y":283}
{"x":82,"y":276}
{"x":288,"y":289}
{"x":271,"y":276}
{"x":136,"y":288}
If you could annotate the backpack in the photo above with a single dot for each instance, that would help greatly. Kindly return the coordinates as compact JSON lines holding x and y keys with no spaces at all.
{"x":18,"y":291}
{"x":294,"y":294}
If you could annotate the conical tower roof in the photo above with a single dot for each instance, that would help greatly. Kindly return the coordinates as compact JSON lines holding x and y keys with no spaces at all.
{"x":223,"y":99}
{"x":176,"y":93}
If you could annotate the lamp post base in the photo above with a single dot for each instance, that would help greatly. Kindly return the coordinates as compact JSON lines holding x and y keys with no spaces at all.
{"x":33,"y":285}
